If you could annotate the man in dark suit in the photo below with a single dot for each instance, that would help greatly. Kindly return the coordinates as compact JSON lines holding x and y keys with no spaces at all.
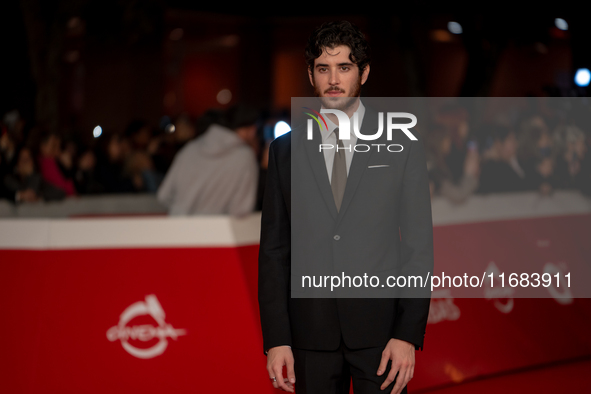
{"x":350,"y":203}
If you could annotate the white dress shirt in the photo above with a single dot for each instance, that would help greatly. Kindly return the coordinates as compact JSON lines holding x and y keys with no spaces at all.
{"x":329,"y":137}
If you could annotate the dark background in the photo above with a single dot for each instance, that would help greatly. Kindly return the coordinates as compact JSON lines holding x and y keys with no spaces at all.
{"x":72,"y":65}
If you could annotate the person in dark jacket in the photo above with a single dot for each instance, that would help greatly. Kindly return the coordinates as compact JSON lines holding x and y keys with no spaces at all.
{"x":26,"y":184}
{"x":501,"y":171}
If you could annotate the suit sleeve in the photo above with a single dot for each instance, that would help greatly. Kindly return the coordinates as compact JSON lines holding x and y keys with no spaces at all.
{"x":416,"y":232}
{"x":274,"y":259}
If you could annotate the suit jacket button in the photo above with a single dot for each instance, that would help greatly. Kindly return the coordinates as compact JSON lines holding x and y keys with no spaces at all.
{"x":337,"y":237}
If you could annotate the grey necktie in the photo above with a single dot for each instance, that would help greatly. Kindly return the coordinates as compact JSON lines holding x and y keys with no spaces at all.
{"x":338,"y":178}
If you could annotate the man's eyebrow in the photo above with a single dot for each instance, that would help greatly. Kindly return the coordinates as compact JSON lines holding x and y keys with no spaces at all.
{"x":340,"y":64}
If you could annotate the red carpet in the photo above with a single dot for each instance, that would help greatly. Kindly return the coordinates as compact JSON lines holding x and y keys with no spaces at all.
{"x":570,"y":377}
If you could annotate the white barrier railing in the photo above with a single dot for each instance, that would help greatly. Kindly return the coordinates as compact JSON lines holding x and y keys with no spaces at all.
{"x":114,"y":204}
{"x":56,"y":231}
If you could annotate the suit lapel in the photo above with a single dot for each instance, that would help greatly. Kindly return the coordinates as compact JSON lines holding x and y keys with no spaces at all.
{"x":359,"y":162}
{"x":318,"y":164}
{"x":356,"y":171}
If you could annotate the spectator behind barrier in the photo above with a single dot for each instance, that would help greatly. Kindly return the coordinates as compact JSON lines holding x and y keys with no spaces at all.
{"x":27,"y":185}
{"x":139,"y":165}
{"x":113,"y":151}
{"x":216,"y":173}
{"x":441,"y":178}
{"x":164,"y":146}
{"x":49,"y":152}
{"x":501,"y":171}
{"x":538,"y":154}
{"x":573,"y":161}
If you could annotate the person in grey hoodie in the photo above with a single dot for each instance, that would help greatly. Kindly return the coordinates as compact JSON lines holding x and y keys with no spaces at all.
{"x":216,"y":173}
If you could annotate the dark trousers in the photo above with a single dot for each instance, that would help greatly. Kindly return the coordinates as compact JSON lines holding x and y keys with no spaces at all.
{"x":331,"y":372}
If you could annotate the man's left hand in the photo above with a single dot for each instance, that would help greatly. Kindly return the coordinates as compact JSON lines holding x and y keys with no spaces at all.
{"x":402,"y":354}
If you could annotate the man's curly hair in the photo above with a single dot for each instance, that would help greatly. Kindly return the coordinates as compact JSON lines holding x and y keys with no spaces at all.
{"x":332,"y":34}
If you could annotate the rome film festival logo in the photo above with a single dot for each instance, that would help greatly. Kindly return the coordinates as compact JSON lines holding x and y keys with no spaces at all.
{"x":145,"y":332}
{"x":345,"y":128}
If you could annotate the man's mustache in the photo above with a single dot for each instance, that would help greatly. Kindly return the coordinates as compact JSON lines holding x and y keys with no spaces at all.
{"x":334,"y":90}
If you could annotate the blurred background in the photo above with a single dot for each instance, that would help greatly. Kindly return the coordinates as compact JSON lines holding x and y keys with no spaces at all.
{"x":117,"y":114}
{"x":120,"y":86}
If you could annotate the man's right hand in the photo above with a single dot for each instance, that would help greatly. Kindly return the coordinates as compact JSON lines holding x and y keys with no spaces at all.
{"x":277,"y":357}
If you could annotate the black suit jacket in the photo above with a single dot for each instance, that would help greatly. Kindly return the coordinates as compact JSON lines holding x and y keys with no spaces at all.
{"x":391,"y":188}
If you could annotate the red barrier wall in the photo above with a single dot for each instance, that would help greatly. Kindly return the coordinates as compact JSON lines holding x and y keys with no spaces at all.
{"x":185,"y":319}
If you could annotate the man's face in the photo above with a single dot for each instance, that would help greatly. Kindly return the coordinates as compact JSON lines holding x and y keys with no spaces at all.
{"x":336,"y":78}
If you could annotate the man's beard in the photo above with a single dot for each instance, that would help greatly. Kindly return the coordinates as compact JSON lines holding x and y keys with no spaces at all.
{"x":340,"y":103}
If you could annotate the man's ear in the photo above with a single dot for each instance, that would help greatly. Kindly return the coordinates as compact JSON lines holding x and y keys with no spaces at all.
{"x":310,"y":76}
{"x":365,"y":74}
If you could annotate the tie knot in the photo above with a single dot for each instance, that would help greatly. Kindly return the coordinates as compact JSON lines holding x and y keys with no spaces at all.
{"x":339,"y":141}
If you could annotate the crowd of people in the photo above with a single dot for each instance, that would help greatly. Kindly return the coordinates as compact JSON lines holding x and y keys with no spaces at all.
{"x":38,"y":165}
{"x":528,"y":154}
{"x":216,"y":164}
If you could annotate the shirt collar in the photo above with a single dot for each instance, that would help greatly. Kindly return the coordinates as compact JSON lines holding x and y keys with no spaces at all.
{"x":331,"y":126}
